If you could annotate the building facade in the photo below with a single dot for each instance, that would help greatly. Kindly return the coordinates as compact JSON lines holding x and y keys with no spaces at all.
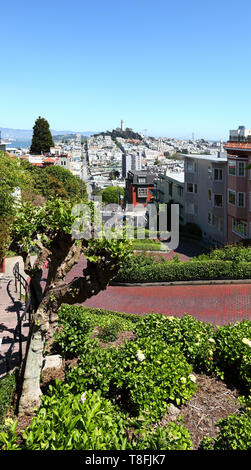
{"x":139,"y":187}
{"x":169,"y":189}
{"x":238,"y":150}
{"x":205,"y":195}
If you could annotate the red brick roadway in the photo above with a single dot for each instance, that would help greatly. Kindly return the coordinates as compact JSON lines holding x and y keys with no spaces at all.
{"x":217,"y":304}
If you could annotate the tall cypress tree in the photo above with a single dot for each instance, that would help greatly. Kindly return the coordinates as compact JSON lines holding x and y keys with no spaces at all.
{"x":42,"y":138}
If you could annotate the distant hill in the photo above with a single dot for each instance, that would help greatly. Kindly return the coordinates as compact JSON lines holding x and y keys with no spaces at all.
{"x":126,"y":134}
{"x":26,"y":134}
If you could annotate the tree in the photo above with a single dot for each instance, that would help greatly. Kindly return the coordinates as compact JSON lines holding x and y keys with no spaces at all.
{"x":12,"y":177}
{"x":56,"y":181}
{"x":49,"y":229}
{"x":42,"y":138}
{"x":111,"y":194}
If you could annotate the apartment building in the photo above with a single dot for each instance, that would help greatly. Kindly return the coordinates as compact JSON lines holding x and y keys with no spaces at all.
{"x":169,"y":189}
{"x":238,"y":150}
{"x":205,"y":195}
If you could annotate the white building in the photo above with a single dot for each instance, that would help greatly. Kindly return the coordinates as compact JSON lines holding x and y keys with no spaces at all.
{"x":131,"y":162}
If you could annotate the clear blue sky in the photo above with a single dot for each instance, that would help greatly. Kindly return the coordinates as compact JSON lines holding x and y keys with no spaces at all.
{"x":172,"y":67}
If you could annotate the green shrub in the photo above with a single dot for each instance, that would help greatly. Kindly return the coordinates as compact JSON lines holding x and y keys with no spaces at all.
{"x":191,"y":270}
{"x":234,"y":434}
{"x":232,"y":355}
{"x":7,"y":388}
{"x":109,"y":332}
{"x":85,"y":421}
{"x":171,"y":437}
{"x":94,"y":370}
{"x":76,"y":325}
{"x":144,"y":375}
{"x":193,"y":337}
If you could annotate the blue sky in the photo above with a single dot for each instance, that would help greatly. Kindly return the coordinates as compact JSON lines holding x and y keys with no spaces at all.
{"x":174,"y":68}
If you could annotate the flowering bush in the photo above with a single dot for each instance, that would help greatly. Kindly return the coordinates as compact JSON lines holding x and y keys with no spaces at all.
{"x":234,"y":434}
{"x":193,"y":337}
{"x":144,"y":375}
{"x":232,"y":356}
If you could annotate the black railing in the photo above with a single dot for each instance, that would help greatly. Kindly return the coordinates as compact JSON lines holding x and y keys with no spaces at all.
{"x":21,"y":286}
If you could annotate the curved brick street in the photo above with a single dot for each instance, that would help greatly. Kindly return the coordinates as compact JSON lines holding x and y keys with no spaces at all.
{"x":218,"y":304}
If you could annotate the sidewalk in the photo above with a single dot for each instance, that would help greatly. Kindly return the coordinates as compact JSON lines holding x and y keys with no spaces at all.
{"x":11,"y":307}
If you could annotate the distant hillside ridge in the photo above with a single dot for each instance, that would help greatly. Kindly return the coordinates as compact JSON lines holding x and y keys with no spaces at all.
{"x":126,"y":134}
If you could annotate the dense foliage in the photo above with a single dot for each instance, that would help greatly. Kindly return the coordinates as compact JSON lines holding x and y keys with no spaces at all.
{"x":112,"y":195}
{"x":227,"y":263}
{"x":115,"y":397}
{"x":56,"y":181}
{"x":234,"y":434}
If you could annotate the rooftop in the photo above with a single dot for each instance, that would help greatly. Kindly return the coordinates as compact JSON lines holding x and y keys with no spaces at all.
{"x":212,"y":158}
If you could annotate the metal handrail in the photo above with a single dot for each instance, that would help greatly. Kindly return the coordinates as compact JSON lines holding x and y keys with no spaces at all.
{"x":18,"y":330}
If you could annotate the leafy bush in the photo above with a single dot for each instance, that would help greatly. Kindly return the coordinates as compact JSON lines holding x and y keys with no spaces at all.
{"x":192,"y":270}
{"x":7,"y":387}
{"x":76,"y":325}
{"x":109,"y":333}
{"x":171,"y":437}
{"x":193,"y":337}
{"x":144,"y":375}
{"x":85,"y":421}
{"x":234,"y":434}
{"x":232,"y":352}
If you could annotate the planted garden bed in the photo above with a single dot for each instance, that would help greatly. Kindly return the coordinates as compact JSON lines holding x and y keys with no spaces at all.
{"x":152,"y":382}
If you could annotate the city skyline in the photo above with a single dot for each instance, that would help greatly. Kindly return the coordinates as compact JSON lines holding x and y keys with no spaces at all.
{"x":166,"y":68}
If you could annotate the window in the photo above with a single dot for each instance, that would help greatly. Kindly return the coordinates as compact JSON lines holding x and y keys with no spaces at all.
{"x":191,"y":188}
{"x":210,"y":172}
{"x":209,"y":195}
{"x":241,"y":168}
{"x":218,"y":200}
{"x":141,"y":180}
{"x":218,"y":174}
{"x":142,"y":192}
{"x":239,"y":227}
{"x":209,"y":218}
{"x":241,"y":199}
{"x":190,"y":167}
{"x":231,"y":197}
{"x":232,"y":168}
{"x":217,"y":223}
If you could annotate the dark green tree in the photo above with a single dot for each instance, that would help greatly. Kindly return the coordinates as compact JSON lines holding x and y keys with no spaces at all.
{"x":42,"y":138}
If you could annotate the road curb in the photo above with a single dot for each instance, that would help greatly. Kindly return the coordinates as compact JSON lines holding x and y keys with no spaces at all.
{"x":182,"y":283}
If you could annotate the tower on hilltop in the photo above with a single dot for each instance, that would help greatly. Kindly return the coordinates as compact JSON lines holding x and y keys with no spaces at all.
{"x":122,"y":125}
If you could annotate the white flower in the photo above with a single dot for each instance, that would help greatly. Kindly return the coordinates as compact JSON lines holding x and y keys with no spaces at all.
{"x":83,"y":397}
{"x":247,"y":342}
{"x":140,"y":356}
{"x":183,"y":380}
{"x":170,"y":318}
{"x":192,"y":377}
{"x":211,"y":340}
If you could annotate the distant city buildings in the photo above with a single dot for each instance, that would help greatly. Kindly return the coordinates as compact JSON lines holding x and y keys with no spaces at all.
{"x":131,"y":162}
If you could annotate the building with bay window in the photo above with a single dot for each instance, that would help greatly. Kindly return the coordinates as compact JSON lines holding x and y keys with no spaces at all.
{"x":238,"y":150}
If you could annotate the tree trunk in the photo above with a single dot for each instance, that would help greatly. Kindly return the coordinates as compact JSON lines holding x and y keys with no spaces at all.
{"x":31,"y":392}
